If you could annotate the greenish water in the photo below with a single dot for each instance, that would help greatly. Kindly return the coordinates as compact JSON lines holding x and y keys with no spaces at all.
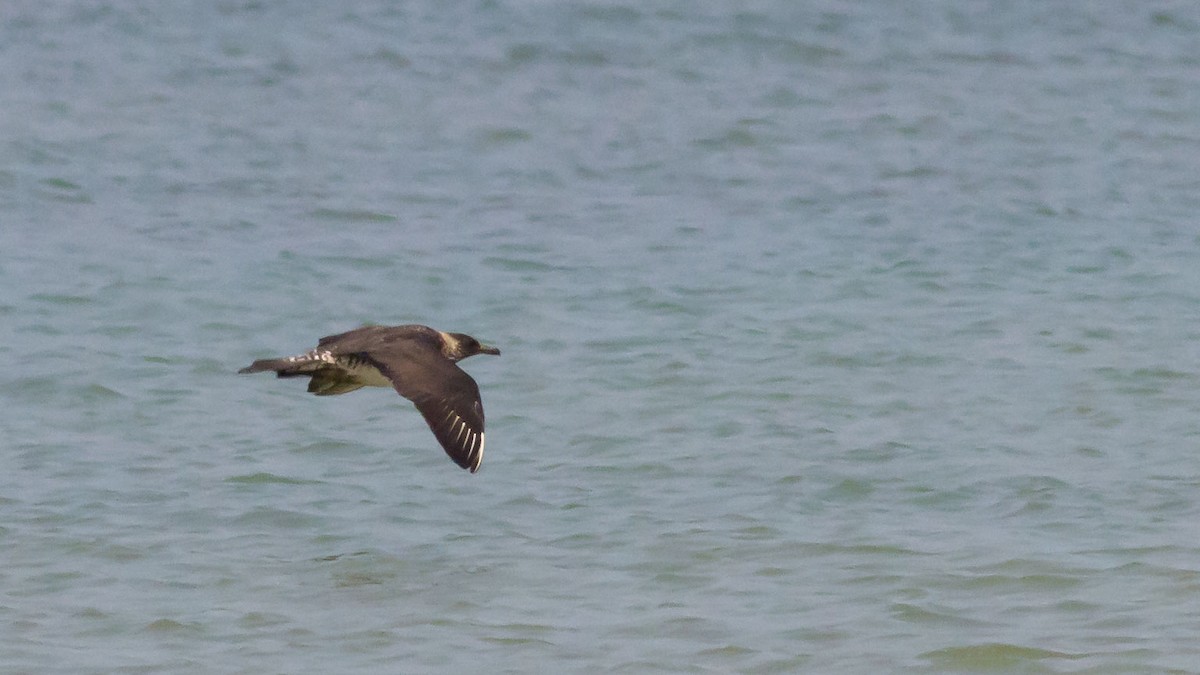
{"x":836,"y":337}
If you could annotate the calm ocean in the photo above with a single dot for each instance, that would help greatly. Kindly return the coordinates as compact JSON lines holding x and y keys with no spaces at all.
{"x":838,"y":336}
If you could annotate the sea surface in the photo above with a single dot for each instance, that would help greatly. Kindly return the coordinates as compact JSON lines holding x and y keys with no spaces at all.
{"x":838,"y":336}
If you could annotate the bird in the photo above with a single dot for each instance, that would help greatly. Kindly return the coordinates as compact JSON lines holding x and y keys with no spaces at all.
{"x":419,"y":362}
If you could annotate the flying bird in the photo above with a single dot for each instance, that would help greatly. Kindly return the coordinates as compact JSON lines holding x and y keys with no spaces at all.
{"x":419,"y":362}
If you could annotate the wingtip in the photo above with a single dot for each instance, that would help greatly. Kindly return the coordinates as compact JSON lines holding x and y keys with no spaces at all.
{"x":474,"y":457}
{"x":478,"y":454}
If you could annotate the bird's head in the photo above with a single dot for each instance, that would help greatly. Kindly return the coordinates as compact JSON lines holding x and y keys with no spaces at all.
{"x":459,"y":346}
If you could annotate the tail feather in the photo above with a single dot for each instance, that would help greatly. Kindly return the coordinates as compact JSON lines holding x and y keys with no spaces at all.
{"x":326,"y":380}
{"x":262,"y":365}
{"x":292,"y":366}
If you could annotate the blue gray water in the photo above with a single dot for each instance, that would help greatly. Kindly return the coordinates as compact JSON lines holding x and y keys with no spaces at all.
{"x":838,"y":336}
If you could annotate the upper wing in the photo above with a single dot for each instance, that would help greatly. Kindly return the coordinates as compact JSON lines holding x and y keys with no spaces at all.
{"x":446,"y":397}
{"x":373,"y":338}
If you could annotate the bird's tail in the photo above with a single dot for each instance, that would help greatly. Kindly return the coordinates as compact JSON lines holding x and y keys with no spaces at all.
{"x":292,"y":366}
{"x":326,"y":380}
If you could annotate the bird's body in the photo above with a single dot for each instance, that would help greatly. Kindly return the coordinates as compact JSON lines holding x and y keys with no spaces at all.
{"x":417,"y":361}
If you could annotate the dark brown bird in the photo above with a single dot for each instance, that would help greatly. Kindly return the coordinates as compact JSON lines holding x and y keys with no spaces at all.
{"x":417,"y":361}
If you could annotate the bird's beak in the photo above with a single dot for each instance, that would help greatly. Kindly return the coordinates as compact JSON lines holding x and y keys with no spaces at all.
{"x":488,"y":349}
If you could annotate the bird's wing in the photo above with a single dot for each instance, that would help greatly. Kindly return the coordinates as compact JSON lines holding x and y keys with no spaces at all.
{"x":351,"y":340}
{"x":446,"y":397}
{"x":368,"y":338}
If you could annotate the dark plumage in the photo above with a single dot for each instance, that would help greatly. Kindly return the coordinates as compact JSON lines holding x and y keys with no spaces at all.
{"x":418,"y":361}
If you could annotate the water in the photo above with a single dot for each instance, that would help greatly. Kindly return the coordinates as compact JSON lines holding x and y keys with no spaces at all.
{"x":837,"y":337}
